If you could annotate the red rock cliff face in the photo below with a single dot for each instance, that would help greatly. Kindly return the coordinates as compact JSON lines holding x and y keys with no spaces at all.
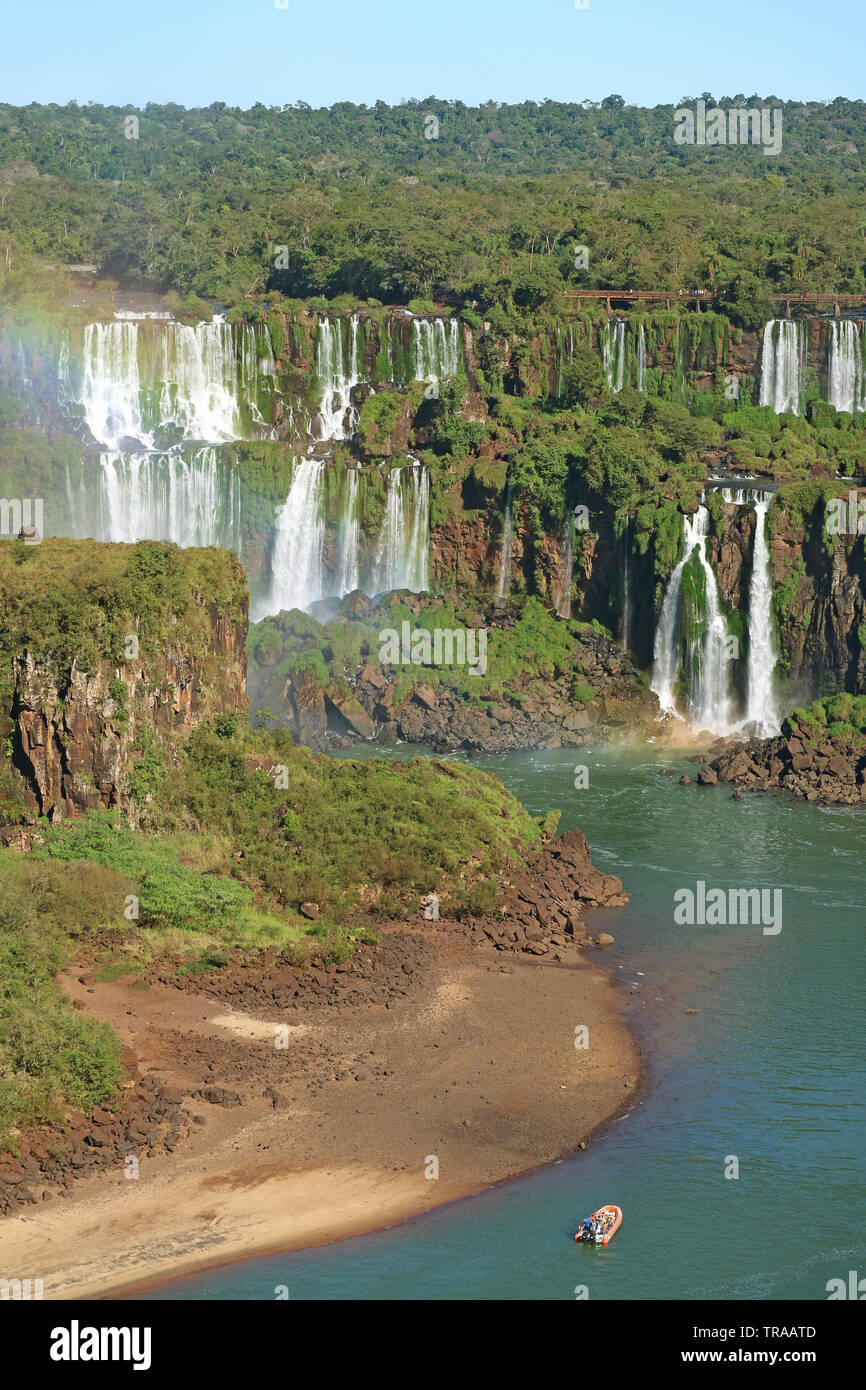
{"x":75,"y":753}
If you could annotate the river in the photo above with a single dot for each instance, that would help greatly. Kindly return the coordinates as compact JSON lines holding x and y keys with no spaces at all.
{"x":769,"y":1070}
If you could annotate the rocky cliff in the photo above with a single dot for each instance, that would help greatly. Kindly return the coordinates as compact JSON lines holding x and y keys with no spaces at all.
{"x":103,"y":666}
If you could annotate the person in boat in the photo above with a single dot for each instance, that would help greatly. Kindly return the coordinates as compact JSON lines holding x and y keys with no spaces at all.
{"x":587,"y":1228}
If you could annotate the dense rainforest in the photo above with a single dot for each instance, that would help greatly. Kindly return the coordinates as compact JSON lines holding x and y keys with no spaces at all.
{"x":433,"y":199}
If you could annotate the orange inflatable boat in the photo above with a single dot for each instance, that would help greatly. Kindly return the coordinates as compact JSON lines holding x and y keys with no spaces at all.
{"x":600,"y":1226}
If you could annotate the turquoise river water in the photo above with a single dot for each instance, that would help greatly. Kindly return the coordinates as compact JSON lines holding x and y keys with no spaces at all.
{"x":769,"y":1069}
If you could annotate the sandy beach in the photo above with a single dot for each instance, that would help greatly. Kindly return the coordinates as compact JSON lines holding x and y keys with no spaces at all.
{"x":473,"y":1072}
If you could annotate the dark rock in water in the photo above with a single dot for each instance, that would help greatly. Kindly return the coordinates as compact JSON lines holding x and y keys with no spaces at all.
{"x":737,"y":795}
{"x":685,"y":780}
{"x":706,"y":777}
{"x":667,"y":772}
{"x":604,"y":939}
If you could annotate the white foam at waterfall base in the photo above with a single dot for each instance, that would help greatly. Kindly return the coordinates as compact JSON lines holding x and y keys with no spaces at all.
{"x":846,"y":371}
{"x":760,"y":704}
{"x":783,"y":366}
{"x":297,"y":564}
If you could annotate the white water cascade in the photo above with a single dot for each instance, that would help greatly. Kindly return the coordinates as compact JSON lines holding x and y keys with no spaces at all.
{"x":190,"y":498}
{"x":402,"y":554}
{"x":563,"y":609}
{"x":760,"y":704}
{"x":626,"y":596}
{"x":783,"y":366}
{"x":846,"y":367}
{"x":139,"y":382}
{"x":707,"y":700}
{"x":435,"y":354}
{"x":507,"y":543}
{"x":350,"y":534}
{"x":641,"y":358}
{"x":337,"y":416}
{"x":613,"y":354}
{"x":297,"y":568}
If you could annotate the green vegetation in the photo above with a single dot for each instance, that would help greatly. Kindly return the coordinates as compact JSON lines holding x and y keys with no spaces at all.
{"x":491,"y":210}
{"x":840,"y":716}
{"x":50,"y":1057}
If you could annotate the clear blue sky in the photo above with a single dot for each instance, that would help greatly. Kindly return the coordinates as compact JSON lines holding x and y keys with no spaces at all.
{"x":128,"y":52}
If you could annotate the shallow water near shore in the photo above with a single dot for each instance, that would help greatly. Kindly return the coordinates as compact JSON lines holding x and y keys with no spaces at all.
{"x":769,"y":1069}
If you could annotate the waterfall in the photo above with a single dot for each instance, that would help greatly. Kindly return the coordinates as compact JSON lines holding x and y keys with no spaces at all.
{"x":337,"y":416}
{"x":298,"y":576}
{"x":563,"y":609}
{"x":402,"y":555}
{"x":111,"y":391}
{"x":641,"y":358}
{"x":760,"y":704}
{"x":709,"y":696}
{"x":783,"y":366}
{"x":613,"y":354}
{"x":505,"y":553}
{"x":435,"y":355}
{"x":846,"y":377}
{"x":626,"y":608}
{"x":191,"y":499}
{"x":348,"y":579}
{"x":708,"y":699}
{"x":196,"y":383}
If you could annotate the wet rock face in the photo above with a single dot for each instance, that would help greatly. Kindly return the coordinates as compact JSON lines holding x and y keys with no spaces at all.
{"x":72,"y":751}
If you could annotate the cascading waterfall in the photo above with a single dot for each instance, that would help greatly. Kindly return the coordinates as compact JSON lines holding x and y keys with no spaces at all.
{"x":563,"y":609}
{"x":190,"y":498}
{"x":350,"y":534}
{"x":709,"y":696}
{"x":435,"y":353}
{"x":846,"y":369}
{"x":783,"y":366}
{"x":297,"y":563}
{"x":505,"y":553}
{"x":709,"y":699}
{"x":613,"y":354}
{"x":337,"y":416}
{"x":760,"y":704}
{"x":641,"y":358}
{"x":402,"y":555}
{"x":666,"y":653}
{"x":196,"y":383}
{"x":626,"y":597}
